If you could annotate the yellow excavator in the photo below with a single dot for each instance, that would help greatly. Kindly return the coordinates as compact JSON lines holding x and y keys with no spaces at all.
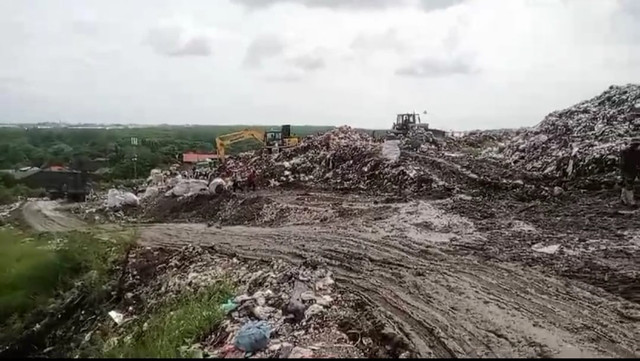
{"x":272,"y":140}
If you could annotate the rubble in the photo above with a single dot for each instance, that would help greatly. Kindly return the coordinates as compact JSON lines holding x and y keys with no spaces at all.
{"x":583,"y":140}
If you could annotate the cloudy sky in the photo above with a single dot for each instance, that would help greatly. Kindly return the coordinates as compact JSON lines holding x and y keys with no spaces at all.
{"x":469,"y":63}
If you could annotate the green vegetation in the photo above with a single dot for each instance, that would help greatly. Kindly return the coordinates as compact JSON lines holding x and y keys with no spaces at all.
{"x":175,"y":326}
{"x":79,"y":147}
{"x":40,"y":273}
{"x":38,"y":270}
{"x":10,"y":190}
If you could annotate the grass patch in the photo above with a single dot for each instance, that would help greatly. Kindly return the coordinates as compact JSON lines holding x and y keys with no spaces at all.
{"x":37,"y":269}
{"x":14,"y":193}
{"x":183,"y":321}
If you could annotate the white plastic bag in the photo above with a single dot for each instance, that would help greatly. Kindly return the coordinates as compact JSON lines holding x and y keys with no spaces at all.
{"x":151,"y":191}
{"x":118,"y":199}
{"x":188,"y":187}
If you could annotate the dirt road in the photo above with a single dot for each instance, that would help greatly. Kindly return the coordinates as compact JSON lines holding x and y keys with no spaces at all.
{"x":45,"y":216}
{"x":402,"y":260}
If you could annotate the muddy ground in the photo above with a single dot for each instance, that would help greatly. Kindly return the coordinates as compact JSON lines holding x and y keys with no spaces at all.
{"x":489,"y":264}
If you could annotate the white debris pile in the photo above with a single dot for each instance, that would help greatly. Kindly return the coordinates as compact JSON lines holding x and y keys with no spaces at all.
{"x":117,"y":199}
{"x":583,"y":140}
{"x":188,"y":187}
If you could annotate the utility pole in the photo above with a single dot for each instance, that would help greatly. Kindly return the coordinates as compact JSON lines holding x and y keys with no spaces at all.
{"x":134,"y":142}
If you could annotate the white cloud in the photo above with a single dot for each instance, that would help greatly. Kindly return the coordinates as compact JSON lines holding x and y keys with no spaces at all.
{"x":427,"y":5}
{"x":308,"y":62}
{"x":435,"y":67}
{"x":471,"y":64}
{"x":173,"y":41}
{"x":372,"y":42}
{"x":262,"y":48}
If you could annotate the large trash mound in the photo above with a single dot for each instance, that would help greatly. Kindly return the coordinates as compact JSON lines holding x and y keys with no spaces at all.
{"x":341,"y":159}
{"x":583,"y":140}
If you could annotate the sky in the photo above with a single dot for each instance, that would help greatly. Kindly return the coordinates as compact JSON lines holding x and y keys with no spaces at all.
{"x":470,"y":64}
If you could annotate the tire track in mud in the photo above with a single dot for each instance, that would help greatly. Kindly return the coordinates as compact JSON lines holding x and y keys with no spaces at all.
{"x":444,"y":305}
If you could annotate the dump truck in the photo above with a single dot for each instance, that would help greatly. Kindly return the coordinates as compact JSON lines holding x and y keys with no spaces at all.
{"x":69,"y":184}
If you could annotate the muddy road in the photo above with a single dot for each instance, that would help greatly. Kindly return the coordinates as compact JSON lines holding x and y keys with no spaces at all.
{"x":406,"y":261}
{"x":47,"y":216}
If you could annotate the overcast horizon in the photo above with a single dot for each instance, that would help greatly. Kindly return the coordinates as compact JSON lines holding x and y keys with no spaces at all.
{"x":469,"y":63}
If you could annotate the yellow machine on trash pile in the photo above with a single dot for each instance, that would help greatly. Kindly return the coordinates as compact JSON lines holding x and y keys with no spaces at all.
{"x":272,"y":140}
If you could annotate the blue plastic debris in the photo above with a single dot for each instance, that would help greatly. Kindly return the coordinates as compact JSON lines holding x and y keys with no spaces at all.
{"x":253,"y":336}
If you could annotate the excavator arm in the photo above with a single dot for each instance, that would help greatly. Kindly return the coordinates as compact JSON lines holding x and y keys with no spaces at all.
{"x":225,"y":140}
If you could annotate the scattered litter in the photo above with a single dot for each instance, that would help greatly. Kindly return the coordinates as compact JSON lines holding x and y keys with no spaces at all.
{"x":242,"y":298}
{"x":548,"y":249}
{"x":308,"y":296}
{"x":324,"y":283}
{"x":313,"y":310}
{"x":324,"y":300}
{"x":300,"y":352}
{"x":229,"y":306}
{"x":117,"y":317}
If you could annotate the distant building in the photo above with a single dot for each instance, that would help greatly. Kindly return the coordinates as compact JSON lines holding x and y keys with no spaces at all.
{"x":197,"y":157}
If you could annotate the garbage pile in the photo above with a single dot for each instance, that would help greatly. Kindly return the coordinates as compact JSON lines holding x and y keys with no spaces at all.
{"x":482,"y":139}
{"x":278,"y":310}
{"x":583,"y":140}
{"x":417,"y":138}
{"x":341,"y":159}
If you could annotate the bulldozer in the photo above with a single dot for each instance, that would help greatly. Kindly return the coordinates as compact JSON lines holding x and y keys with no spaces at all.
{"x":272,"y":140}
{"x":404,"y":123}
